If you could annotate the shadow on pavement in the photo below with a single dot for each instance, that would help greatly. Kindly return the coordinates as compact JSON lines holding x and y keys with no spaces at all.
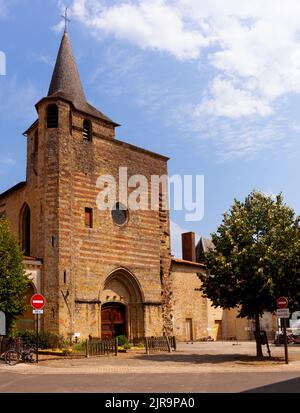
{"x":207,"y":358}
{"x":287,"y":386}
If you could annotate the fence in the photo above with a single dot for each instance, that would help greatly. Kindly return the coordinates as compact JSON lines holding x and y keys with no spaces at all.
{"x":101,"y":347}
{"x":156,"y":344}
{"x":9,"y":343}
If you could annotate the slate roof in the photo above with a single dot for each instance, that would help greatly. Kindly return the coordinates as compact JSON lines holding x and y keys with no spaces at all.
{"x":203,"y":246}
{"x":66,"y":83}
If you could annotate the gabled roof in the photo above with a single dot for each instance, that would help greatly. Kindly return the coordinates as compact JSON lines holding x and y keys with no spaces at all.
{"x":203,"y":247}
{"x":12,"y":189}
{"x":207,"y":244}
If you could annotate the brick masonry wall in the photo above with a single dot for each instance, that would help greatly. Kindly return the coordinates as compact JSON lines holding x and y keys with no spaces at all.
{"x":61,"y":183}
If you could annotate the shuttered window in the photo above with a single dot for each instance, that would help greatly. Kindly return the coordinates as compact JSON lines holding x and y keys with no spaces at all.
{"x":87,"y":130}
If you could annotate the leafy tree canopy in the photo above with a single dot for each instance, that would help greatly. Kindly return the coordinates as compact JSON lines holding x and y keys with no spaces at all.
{"x":13,"y":282}
{"x":256,"y":257}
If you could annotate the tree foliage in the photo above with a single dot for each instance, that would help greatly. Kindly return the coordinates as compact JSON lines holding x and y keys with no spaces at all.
{"x":13,"y":282}
{"x":256,"y":257}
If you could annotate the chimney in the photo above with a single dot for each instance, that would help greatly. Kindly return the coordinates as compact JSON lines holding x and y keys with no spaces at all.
{"x":188,"y":246}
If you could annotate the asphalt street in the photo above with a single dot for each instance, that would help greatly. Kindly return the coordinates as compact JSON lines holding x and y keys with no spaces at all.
{"x":276,"y":382}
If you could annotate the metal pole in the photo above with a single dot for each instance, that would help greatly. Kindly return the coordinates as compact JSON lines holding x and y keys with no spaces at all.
{"x":37,"y":338}
{"x":87,"y":349}
{"x":285,"y":342}
{"x":116,"y":346}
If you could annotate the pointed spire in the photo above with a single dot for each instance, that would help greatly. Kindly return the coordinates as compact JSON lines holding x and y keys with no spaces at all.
{"x":65,"y":78}
{"x":66,"y":84}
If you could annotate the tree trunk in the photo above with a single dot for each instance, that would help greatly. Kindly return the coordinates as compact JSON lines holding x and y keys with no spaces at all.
{"x":259,"y":353}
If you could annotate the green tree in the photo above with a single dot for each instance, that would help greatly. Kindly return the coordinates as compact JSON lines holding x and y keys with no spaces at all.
{"x":256,"y":258}
{"x":13,"y":281}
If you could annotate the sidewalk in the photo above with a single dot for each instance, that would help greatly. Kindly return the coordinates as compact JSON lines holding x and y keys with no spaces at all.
{"x":189,"y":358}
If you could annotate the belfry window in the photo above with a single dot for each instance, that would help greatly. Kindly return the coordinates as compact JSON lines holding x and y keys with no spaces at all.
{"x":25,"y":227}
{"x":87,"y":130}
{"x":52,"y":116}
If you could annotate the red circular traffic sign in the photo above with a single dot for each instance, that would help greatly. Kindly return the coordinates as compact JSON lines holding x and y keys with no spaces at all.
{"x":37,"y":301}
{"x":282,"y":302}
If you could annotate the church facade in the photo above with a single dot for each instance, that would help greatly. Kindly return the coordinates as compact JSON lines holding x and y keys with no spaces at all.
{"x":103,"y":272}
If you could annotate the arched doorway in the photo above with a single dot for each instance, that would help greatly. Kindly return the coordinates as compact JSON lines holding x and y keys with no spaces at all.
{"x":122,"y":299}
{"x":26,"y":320}
{"x":113,"y":320}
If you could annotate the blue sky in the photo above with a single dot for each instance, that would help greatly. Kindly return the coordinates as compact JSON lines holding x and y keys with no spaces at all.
{"x":213,"y":84}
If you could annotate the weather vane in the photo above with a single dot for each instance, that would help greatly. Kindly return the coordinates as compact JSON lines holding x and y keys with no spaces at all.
{"x":65,"y":17}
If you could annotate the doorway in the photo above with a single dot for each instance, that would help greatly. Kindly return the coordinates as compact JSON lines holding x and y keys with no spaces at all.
{"x":189,"y":329}
{"x":218,"y":330}
{"x":113,"y":320}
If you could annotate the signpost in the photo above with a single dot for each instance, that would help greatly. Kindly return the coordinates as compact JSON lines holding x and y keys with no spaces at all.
{"x":37,"y":302}
{"x":282,"y":302}
{"x":283,"y":313}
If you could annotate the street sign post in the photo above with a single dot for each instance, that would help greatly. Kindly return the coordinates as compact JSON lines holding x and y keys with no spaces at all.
{"x":37,"y":311}
{"x":282,"y":302}
{"x":37,"y":302}
{"x":283,"y":313}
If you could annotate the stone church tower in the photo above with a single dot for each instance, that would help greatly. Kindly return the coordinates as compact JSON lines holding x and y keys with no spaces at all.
{"x":103,"y":272}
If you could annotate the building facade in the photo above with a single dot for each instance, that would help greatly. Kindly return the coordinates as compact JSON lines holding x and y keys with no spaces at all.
{"x":102,"y":272}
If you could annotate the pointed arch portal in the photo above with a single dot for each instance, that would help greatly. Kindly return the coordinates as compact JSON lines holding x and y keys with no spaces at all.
{"x":122,"y":309}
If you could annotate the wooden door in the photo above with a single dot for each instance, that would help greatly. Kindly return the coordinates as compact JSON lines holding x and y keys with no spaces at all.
{"x":189,"y":329}
{"x":113,"y":320}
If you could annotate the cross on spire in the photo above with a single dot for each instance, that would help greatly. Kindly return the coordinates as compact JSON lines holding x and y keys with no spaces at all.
{"x":65,"y":17}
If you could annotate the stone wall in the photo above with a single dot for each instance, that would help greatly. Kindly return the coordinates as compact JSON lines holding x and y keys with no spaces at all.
{"x":190,"y":307}
{"x":61,"y":183}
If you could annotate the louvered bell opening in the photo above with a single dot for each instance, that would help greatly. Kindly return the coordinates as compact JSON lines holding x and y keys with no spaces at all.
{"x":52,"y":116}
{"x":87,"y":130}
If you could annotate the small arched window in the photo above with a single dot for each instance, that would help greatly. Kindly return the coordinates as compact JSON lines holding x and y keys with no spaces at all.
{"x":25,"y":227}
{"x":87,"y":130}
{"x":52,"y":116}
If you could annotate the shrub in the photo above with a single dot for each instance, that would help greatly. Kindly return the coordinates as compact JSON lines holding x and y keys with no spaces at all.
{"x":122,"y":340}
{"x":46,"y":339}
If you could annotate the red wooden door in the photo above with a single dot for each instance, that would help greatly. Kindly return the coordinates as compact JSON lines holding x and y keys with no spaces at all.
{"x":112,"y":320}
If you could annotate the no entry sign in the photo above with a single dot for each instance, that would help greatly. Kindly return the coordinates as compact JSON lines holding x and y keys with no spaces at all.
{"x":37,"y":301}
{"x":282,"y":302}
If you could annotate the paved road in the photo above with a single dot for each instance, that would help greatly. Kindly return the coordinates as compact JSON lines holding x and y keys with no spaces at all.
{"x":151,"y":383}
{"x":194,"y":368}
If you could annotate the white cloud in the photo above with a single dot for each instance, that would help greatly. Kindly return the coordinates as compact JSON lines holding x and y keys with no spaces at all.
{"x":250,"y":50}
{"x":8,"y":161}
{"x":232,"y":102}
{"x":150,"y":25}
{"x":48,"y":60}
